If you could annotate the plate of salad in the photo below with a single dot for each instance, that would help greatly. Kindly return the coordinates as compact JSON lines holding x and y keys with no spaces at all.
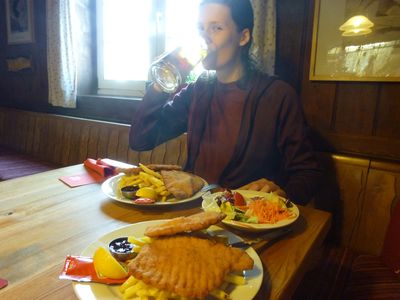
{"x":251,"y":210}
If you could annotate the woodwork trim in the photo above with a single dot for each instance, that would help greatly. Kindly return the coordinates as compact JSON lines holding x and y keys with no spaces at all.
{"x":368,"y":146}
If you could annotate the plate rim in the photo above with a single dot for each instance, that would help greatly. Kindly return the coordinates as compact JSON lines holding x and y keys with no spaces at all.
{"x":258,"y":265}
{"x":257,"y":227}
{"x":107,"y":183}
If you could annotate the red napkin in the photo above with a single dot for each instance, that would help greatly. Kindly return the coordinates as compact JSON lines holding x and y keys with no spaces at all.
{"x":98,"y":170}
{"x":104,"y":166}
{"x":82,"y":179}
{"x":3,"y":283}
{"x":99,"y":167}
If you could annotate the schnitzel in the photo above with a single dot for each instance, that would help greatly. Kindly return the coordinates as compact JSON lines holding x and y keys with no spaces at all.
{"x":194,"y":222}
{"x":181,"y":184}
{"x":186,"y":265}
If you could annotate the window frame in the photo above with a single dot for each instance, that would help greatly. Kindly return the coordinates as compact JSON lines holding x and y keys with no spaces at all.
{"x":129,"y":88}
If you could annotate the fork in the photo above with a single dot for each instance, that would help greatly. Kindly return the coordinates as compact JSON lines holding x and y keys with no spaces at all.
{"x":269,"y":238}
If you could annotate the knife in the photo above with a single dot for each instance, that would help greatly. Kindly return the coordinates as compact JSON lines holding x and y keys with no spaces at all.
{"x":269,"y":238}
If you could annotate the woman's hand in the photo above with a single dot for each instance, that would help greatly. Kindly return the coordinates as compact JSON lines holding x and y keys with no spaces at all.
{"x":264,"y":185}
{"x":157,"y":87}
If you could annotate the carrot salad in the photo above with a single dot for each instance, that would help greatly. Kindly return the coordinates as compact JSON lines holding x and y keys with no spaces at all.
{"x":267,"y":212}
{"x":268,"y":209}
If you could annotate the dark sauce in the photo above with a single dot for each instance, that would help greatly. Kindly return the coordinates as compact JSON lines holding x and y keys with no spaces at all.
{"x":129,"y":191}
{"x":120,"y":246}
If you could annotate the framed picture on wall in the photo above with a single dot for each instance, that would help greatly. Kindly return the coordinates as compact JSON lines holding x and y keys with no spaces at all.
{"x":356,"y":40}
{"x":19,"y":19}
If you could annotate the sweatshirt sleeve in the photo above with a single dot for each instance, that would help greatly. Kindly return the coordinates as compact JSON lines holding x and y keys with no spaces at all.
{"x":159,"y":117}
{"x":300,"y":167}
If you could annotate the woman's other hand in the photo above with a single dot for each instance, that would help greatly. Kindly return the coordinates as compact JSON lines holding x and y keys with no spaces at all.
{"x":264,"y":185}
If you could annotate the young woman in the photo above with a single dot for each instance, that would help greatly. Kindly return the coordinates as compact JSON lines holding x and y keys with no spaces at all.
{"x":245,"y":129}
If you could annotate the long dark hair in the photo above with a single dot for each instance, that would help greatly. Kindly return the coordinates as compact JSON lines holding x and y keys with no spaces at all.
{"x":243,"y":16}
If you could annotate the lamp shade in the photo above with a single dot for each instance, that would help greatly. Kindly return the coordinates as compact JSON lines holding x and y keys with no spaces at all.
{"x":356,"y":32}
{"x":357,"y":25}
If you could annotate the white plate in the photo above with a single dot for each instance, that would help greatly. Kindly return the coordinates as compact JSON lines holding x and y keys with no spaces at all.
{"x":110,"y":292}
{"x":110,"y":188}
{"x":208,"y":204}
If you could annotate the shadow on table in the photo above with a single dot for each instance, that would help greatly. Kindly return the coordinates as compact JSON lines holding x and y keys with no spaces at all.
{"x":141,"y":213}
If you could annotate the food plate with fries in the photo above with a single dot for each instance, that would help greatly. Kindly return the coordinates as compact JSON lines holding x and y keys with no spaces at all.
{"x":253,"y":278}
{"x":112,"y":188}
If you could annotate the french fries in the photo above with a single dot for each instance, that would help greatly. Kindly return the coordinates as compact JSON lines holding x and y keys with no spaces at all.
{"x":134,"y":288}
{"x":146,"y":178}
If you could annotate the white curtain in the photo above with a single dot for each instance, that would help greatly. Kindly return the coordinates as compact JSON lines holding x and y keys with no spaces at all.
{"x":264,"y":34}
{"x":61,"y":63}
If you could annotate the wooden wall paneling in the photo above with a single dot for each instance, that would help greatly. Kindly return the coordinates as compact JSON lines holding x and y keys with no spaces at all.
{"x":158,"y":154}
{"x":351,"y":177}
{"x":37,"y":137}
{"x":123,"y":145}
{"x":382,"y":190}
{"x":84,"y":141}
{"x":145,"y":157}
{"x":183,"y":152}
{"x":355,"y":108}
{"x":291,"y":20}
{"x":73,"y":138}
{"x":318,"y":102}
{"x":104,"y":133}
{"x":26,"y":133}
{"x":59,"y":128}
{"x":368,"y":146}
{"x":2,"y":127}
{"x":30,"y":140}
{"x":173,"y":152}
{"x":93,"y":142}
{"x":10,"y":130}
{"x":44,"y":133}
{"x":52,"y":136}
{"x":6,"y":136}
{"x":10,"y":134}
{"x":17,"y":137}
{"x":67,"y":144}
{"x":388,"y":111}
{"x":112,"y":147}
{"x":133,"y":157}
{"x":20,"y":133}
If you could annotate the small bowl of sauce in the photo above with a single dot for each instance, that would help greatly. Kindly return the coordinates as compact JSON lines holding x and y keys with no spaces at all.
{"x":129,"y":191}
{"x":121,"y":249}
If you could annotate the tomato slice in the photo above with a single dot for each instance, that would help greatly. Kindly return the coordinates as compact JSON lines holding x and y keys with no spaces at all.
{"x":144,"y":201}
{"x":238,"y":199}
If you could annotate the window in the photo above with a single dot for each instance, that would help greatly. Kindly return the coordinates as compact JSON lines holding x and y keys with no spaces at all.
{"x":132,"y":33}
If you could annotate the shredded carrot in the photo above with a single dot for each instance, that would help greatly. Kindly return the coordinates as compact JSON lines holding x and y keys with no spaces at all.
{"x":268,"y":212}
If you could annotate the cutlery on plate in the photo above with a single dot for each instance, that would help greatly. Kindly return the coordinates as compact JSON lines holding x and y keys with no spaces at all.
{"x":269,"y":238}
{"x":210,"y":187}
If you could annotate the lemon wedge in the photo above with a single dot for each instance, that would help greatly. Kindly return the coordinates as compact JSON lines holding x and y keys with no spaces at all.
{"x":107,"y":266}
{"x":146,"y":192}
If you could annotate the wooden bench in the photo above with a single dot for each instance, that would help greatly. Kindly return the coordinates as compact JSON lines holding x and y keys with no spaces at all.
{"x":362,"y":194}
{"x":61,"y":141}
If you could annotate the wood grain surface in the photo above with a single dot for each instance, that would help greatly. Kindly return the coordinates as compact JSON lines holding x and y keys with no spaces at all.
{"x":67,"y":141}
{"x":43,"y":220}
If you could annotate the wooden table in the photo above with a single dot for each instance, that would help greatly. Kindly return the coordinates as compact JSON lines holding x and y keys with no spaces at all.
{"x":42,"y":220}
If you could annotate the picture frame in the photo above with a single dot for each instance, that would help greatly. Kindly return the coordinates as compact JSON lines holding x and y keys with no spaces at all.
{"x":19,"y":21}
{"x":343,"y":53}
